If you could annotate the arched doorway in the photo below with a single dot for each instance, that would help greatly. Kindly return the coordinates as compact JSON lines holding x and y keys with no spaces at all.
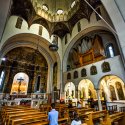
{"x":20,"y":84}
{"x":86,"y":90}
{"x":69,"y":91}
{"x":113,"y":87}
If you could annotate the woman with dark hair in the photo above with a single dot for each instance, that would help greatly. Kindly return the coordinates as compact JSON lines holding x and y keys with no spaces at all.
{"x":76,"y":120}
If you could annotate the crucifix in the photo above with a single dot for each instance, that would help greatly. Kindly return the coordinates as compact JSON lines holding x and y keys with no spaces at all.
{"x":20,"y":80}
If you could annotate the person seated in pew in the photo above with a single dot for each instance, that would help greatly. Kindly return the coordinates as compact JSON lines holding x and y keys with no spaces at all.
{"x":70,"y":104}
{"x":91,"y":102}
{"x":76,"y":120}
{"x":36,"y":106}
{"x":62,"y":101}
{"x":79,"y":104}
{"x":53,"y":115}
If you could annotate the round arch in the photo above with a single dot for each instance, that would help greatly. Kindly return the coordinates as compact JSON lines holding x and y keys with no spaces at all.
{"x":86,"y":89}
{"x":69,"y":90}
{"x":77,"y":37}
{"x":31,"y":41}
{"x":113,"y":87}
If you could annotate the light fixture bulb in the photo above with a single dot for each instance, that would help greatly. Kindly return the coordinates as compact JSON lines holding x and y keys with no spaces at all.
{"x":3,"y":59}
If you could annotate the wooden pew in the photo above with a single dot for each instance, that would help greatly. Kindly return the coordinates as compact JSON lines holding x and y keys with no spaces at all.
{"x":81,"y":111}
{"x":23,"y":115}
{"x":117,"y":117}
{"x":9,"y":112}
{"x":45,"y":107}
{"x":98,"y":115}
{"x":28,"y":119}
{"x":63,"y":111}
{"x":60,"y":122}
{"x":6,"y":115}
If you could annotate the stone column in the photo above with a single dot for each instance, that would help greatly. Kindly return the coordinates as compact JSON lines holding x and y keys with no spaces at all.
{"x":99,"y":101}
{"x":49,"y":84}
{"x":5,"y":6}
{"x":117,"y":97}
{"x":6,"y":79}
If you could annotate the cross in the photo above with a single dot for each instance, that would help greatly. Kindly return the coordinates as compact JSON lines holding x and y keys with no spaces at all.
{"x":20,"y":80}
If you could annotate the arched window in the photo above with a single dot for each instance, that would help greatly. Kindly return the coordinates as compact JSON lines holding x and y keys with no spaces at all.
{"x":40,"y":30}
{"x":75,"y":74}
{"x":79,"y":26}
{"x":2,"y":75}
{"x":110,"y":51}
{"x":68,"y":76}
{"x":83,"y":72}
{"x":66,"y":39}
{"x":97,"y":16}
{"x":19,"y":23}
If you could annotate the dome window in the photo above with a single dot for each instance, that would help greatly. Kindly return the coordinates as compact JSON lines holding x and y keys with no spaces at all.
{"x":45,"y":7}
{"x":60,"y":11}
{"x":73,"y":4}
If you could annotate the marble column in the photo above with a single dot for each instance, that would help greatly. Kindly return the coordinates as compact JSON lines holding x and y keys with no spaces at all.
{"x":99,"y":101}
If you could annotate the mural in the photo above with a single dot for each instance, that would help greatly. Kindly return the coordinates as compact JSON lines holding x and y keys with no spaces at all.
{"x":113,"y":94}
{"x":120,"y":91}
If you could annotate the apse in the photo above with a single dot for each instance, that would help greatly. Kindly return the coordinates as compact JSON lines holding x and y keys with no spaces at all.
{"x":28,"y":61}
{"x":20,"y":84}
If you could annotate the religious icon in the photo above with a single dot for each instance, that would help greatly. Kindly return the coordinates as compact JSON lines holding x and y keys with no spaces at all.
{"x":106,"y":67}
{"x":120,"y":91}
{"x":93,"y":70}
{"x":75,"y":74}
{"x":83,"y":72}
{"x":113,"y":94}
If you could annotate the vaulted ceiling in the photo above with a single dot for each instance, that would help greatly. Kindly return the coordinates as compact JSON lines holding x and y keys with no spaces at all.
{"x":59,"y":24}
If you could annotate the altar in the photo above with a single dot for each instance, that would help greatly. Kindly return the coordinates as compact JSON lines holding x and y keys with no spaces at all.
{"x":20,"y":84}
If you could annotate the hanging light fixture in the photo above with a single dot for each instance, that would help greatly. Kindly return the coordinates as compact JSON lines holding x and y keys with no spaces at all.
{"x":54,"y":45}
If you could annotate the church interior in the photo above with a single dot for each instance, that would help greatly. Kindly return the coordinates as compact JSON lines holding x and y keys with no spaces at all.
{"x":67,"y":52}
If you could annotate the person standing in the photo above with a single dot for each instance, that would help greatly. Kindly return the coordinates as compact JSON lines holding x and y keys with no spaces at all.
{"x":53,"y":115}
